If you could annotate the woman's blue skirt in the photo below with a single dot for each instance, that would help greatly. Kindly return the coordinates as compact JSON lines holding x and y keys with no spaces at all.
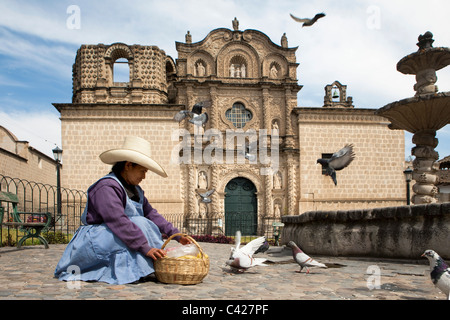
{"x":96,"y":254}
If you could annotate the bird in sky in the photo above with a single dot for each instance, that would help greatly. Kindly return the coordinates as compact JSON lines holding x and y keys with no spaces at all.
{"x":196,"y":116}
{"x":241,"y":259}
{"x":206,"y":196}
{"x":307,"y":22}
{"x":303,"y":260}
{"x":338,"y":161}
{"x":440,"y":272}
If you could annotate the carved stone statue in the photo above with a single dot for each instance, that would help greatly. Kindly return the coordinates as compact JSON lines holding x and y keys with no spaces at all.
{"x":232,"y":71}
{"x":277,"y":183}
{"x":277,"y":211}
{"x":202,"y":181}
{"x":188,"y":37}
{"x":273,"y":72}
{"x":201,"y":71}
{"x":235,"y":24}
{"x":284,"y":42}
{"x":275,"y":129}
{"x":243,"y":71}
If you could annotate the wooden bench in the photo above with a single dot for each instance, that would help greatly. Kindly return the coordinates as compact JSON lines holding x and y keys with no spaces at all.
{"x":32,"y":224}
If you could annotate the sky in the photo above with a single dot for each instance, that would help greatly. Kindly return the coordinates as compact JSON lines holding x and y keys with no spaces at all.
{"x":358,"y":43}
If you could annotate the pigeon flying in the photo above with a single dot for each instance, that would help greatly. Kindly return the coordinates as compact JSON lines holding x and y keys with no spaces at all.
{"x":307,"y":22}
{"x":440,"y":272}
{"x":205,"y":196}
{"x":249,"y":150}
{"x":303,"y":259}
{"x":197,"y":117}
{"x":338,"y":161}
{"x":241,"y":259}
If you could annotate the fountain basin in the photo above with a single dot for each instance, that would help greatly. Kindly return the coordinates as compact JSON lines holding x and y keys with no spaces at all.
{"x":429,"y":112}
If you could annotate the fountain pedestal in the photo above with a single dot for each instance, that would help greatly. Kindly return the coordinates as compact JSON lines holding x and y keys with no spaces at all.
{"x":423,"y":115}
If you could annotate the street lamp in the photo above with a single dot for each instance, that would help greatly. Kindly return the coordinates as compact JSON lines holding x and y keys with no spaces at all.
{"x":57,"y":154}
{"x":408,"y":177}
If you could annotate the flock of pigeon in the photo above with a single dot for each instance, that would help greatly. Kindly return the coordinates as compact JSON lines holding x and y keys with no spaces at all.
{"x":338,"y":161}
{"x":241,"y":259}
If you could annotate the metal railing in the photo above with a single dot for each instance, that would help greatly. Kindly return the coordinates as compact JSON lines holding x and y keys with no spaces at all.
{"x":226,"y":224}
{"x":38,"y":197}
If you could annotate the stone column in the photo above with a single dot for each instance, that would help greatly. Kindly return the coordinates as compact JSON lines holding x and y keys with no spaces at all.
{"x":215,"y":197}
{"x":425,"y":170}
{"x":289,"y":140}
{"x":191,"y":198}
{"x":214,"y":114}
{"x":266,"y":113}
{"x":291,"y":185}
{"x":268,"y":186}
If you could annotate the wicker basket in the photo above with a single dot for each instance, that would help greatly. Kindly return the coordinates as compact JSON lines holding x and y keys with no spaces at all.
{"x":179,"y":270}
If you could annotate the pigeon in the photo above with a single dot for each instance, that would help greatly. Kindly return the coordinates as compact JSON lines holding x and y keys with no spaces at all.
{"x":249,"y":152}
{"x":440,"y":272}
{"x":338,"y":161}
{"x":205,"y":196}
{"x":241,"y":259}
{"x":303,"y":259}
{"x":197,"y":117}
{"x":263,"y":248}
{"x":308,"y":22}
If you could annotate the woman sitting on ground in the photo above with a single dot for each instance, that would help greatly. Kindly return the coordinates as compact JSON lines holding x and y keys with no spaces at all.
{"x":121,"y":234}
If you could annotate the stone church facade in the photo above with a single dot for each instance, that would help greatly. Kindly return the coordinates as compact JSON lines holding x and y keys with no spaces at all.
{"x":252,"y":86}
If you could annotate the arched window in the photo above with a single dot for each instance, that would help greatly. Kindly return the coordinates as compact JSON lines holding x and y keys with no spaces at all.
{"x":238,"y":115}
{"x":121,"y":70}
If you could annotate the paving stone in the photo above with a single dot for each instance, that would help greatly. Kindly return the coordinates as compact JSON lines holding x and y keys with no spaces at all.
{"x":28,"y":274}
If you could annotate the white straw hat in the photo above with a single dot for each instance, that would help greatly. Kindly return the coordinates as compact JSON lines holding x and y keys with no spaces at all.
{"x":134,"y":149}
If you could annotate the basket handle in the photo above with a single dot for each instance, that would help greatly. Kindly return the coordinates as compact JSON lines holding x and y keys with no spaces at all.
{"x":189,"y":237}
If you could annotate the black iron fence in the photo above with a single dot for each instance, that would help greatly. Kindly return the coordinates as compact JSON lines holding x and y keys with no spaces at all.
{"x":226,"y":224}
{"x":38,"y":197}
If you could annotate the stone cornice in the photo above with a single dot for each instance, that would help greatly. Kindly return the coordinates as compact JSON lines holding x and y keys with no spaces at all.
{"x":334,"y":115}
{"x":71,"y":111}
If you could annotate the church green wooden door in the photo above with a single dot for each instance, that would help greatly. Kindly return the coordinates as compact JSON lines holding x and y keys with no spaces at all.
{"x":240,"y":207}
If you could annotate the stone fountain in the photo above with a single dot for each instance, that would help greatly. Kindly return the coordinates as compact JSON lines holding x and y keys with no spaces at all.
{"x":423,"y":115}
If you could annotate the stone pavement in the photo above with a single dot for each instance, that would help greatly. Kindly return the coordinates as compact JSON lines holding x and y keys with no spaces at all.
{"x":27,"y":273}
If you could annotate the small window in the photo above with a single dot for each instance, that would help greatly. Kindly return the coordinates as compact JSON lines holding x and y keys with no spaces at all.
{"x":238,"y":115}
{"x":121,"y":71}
{"x":326,"y":156}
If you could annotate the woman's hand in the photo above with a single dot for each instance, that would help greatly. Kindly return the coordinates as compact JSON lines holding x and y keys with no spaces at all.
{"x":184,"y":240}
{"x":156,"y":254}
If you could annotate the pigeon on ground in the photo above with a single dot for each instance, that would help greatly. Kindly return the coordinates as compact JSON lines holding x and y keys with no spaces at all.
{"x":197,"y":117}
{"x":242,"y":259}
{"x":263,"y":248}
{"x":440,"y":272}
{"x":206,"y":196}
{"x":338,"y":161}
{"x":307,"y":22}
{"x":303,"y":259}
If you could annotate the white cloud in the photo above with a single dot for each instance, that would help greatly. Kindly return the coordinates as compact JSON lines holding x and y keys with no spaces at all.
{"x":41,"y":129}
{"x":352,"y":44}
